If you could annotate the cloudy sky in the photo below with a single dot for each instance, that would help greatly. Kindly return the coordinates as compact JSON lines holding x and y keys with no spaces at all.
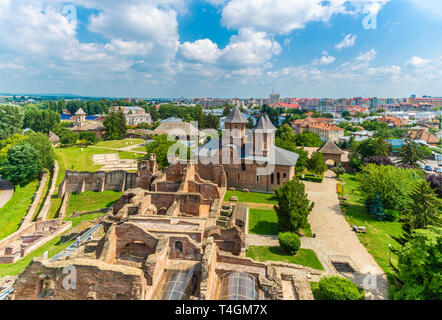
{"x":222,"y":48}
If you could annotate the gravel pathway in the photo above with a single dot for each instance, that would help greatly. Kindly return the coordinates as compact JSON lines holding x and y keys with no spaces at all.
{"x":6,"y":192}
{"x":334,"y":236}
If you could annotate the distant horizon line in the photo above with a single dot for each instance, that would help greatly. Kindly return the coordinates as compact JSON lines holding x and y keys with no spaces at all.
{"x":177,"y":98}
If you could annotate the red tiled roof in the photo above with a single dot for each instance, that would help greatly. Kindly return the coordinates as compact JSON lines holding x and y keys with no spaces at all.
{"x":287,"y":105}
{"x":326,"y":126}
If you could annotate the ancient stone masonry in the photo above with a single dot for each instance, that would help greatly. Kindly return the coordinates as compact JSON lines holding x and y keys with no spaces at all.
{"x":79,"y":182}
{"x":29,"y":238}
{"x":161,"y":241}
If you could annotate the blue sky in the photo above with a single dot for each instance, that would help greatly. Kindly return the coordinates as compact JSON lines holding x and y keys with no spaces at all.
{"x":221,"y":48}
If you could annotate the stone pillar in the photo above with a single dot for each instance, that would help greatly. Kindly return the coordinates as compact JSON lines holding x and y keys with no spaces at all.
{"x":123,"y":184}
{"x":83,"y":186}
{"x":102,"y":184}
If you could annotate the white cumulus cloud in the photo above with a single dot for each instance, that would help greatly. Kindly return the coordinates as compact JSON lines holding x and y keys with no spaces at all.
{"x":348,"y":41}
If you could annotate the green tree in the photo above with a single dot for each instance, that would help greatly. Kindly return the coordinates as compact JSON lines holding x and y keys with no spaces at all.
{"x":7,"y":143}
{"x":22,"y":164}
{"x":41,"y":143}
{"x":411,"y":153}
{"x":339,"y":288}
{"x":115,"y":126}
{"x":11,"y":120}
{"x":419,"y":275}
{"x":316,"y":163}
{"x":308,"y":139}
{"x":393,"y":185}
{"x":250,"y":123}
{"x":272,"y":113}
{"x":423,"y":209}
{"x":293,"y":206}
{"x":368,"y":148}
{"x":67,"y":137}
{"x":41,"y":120}
{"x":227,"y":110}
{"x":153,"y":113}
{"x":89,"y":137}
{"x":160,"y":146}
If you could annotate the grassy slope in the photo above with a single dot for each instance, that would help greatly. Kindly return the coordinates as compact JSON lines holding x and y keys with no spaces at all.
{"x":379,"y":233}
{"x":250,"y":197}
{"x":16,"y":208}
{"x":77,"y":160}
{"x":305,"y":257}
{"x":89,"y":201}
{"x":43,"y":196}
{"x":118,"y":144}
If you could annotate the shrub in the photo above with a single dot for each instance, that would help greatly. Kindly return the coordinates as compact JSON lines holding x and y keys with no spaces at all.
{"x":339,"y":188}
{"x":313,"y":178}
{"x":289,"y":241}
{"x":337,"y":288}
{"x":391,"y":215}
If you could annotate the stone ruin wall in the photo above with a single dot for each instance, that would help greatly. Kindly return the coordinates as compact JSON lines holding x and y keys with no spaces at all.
{"x":95,"y":281}
{"x":79,"y":182}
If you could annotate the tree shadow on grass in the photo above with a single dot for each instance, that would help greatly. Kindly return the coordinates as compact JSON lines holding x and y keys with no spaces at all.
{"x":265,"y":228}
{"x":279,"y":251}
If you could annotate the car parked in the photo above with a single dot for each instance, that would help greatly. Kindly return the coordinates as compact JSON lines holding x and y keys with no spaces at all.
{"x":428,"y":168}
{"x":437,"y":169}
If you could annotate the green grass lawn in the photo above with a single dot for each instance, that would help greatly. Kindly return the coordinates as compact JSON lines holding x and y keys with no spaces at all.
{"x":263,"y":222}
{"x":379,"y":233}
{"x":304,"y":257}
{"x":89,"y":201}
{"x":139,"y":149}
{"x":76,"y":160}
{"x":16,"y":208}
{"x":43,"y":196}
{"x":250,"y":197}
{"x":266,"y":222}
{"x":118,"y":144}
{"x":55,"y":206}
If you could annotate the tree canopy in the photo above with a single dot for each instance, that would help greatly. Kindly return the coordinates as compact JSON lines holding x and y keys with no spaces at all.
{"x":41,"y":120}
{"x":393,"y":185}
{"x":293,"y":206}
{"x":316,"y":163}
{"x":11,"y":120}
{"x":115,"y":125}
{"x":411,"y":153}
{"x":418,"y":275}
{"x":22,"y":164}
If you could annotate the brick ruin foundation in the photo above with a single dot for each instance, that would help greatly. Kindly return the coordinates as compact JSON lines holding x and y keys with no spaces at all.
{"x":163,"y":240}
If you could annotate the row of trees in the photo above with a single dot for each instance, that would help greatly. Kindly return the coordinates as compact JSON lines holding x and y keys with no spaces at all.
{"x":188,"y":114}
{"x":377,"y":151}
{"x":286,"y":139}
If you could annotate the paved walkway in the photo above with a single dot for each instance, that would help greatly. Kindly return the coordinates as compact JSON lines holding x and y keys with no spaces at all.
{"x":6,"y":192}
{"x":334,"y":236}
{"x":125,"y":149}
{"x":335,"y":240}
